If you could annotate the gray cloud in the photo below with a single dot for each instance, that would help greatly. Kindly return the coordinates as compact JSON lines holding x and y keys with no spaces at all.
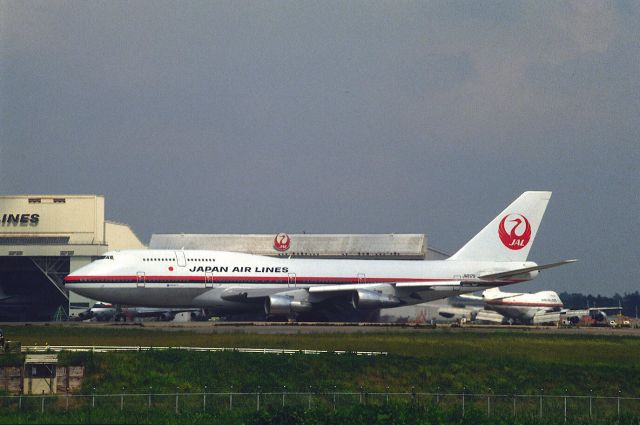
{"x":334,"y":117}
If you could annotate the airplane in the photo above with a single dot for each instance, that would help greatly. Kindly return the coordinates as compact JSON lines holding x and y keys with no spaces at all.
{"x":518,"y":307}
{"x":530,"y":308}
{"x":231,"y":282}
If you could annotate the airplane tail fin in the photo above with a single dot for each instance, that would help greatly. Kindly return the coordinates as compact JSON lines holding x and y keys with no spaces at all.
{"x":510,"y":235}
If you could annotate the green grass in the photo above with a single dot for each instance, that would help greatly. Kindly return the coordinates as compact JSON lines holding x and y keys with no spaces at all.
{"x":442,"y":361}
{"x":428,"y":360}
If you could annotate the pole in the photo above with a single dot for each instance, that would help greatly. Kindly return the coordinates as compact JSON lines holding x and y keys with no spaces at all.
{"x":565,"y":405}
{"x":541,"y":392}
{"x":284,"y":390}
{"x":204,"y":399}
{"x":67,"y":398}
{"x":258,"y":399}
{"x":463,"y":390}
{"x":93,"y":399}
{"x":387,"y":394}
{"x":334,"y":398}
{"x":590,"y":410}
{"x":231,"y":399}
{"x":309,"y":397}
{"x":514,"y":403}
{"x":122,"y":399}
{"x":619,"y":404}
{"x":177,"y":391}
{"x":149,"y":402}
{"x":42,"y":398}
{"x":489,"y":403}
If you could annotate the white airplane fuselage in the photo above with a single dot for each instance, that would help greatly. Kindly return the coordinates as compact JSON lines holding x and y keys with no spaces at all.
{"x":523,"y":306}
{"x":166,"y":278}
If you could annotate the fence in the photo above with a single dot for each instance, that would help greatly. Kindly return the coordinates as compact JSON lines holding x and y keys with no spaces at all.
{"x":498,"y":405}
{"x":119,"y":348}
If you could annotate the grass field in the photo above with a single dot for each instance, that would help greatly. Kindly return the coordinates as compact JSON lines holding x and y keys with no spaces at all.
{"x":501,"y":362}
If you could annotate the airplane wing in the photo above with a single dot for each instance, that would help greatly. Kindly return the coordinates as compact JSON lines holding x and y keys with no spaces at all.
{"x":249,"y":294}
{"x":516,"y":272}
{"x":411,"y":286}
{"x":604,"y":308}
{"x":319,"y":293}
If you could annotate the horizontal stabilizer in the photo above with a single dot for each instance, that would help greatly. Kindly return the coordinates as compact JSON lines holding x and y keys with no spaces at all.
{"x":516,"y":272}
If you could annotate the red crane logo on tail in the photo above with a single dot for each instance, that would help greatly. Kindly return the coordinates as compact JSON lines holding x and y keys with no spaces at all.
{"x":519,"y":234}
{"x":281,"y":242}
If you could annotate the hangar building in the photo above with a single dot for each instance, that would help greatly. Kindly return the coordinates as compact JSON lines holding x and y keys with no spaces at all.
{"x":42,"y":239}
{"x":389,"y":246}
{"x":45,"y":237}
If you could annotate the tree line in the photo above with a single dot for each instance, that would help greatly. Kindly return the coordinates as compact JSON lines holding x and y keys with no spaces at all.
{"x":630,"y":303}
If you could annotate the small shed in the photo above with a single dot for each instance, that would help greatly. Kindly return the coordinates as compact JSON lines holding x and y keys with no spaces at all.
{"x":40,"y":374}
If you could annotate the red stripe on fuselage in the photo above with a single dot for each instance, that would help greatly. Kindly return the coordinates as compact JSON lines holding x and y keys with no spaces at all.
{"x":257,"y":279}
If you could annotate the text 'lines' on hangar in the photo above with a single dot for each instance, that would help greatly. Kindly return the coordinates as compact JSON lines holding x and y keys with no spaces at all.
{"x":45,"y":237}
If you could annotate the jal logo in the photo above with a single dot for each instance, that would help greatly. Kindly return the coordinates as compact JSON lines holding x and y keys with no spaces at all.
{"x":282,"y":242}
{"x":514,"y":231}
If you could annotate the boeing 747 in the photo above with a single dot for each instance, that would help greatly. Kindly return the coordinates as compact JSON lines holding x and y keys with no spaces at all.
{"x":230,"y":282}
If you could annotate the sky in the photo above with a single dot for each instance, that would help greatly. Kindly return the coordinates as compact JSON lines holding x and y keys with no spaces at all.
{"x":336,"y":117}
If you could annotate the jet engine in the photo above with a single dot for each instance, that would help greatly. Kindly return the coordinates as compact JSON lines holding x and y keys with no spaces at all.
{"x":363,"y":299}
{"x":282,"y":305}
{"x":599,"y":316}
{"x":166,"y":316}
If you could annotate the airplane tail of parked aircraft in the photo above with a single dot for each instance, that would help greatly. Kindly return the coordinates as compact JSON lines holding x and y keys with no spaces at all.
{"x":510,"y":235}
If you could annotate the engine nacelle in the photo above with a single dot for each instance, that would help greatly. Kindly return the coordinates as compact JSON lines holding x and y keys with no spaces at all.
{"x":599,"y":316}
{"x":282,"y":305}
{"x":166,"y":316}
{"x":363,"y":299}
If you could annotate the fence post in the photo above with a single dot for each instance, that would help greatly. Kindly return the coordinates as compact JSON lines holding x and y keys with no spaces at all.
{"x":360,"y":394}
{"x":565,"y":405}
{"x":387,"y":394}
{"x":463,"y":390}
{"x":258,"y":399}
{"x":93,"y":398}
{"x":335,"y":388}
{"x":177,"y":391}
{"x":413,"y":395}
{"x":67,"y":399}
{"x":231,"y":399}
{"x":309,"y":397}
{"x":284,"y":390}
{"x":20,"y":402}
{"x":149,"y":402}
{"x":619,"y":404}
{"x":42,"y":398}
{"x":489,"y":403}
{"x":590,"y":409}
{"x":541,"y":393}
{"x":204,"y":399}
{"x":514,"y":402}
{"x":438,"y":395}
{"x":122,"y":399}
